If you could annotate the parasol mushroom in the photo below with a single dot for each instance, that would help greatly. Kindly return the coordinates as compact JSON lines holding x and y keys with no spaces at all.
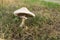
{"x":23,"y":13}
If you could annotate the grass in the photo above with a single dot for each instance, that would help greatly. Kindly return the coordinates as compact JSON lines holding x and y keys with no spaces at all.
{"x":45,"y":26}
{"x":50,"y":4}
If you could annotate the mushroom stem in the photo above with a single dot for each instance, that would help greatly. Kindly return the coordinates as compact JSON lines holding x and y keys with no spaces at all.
{"x":23,"y":21}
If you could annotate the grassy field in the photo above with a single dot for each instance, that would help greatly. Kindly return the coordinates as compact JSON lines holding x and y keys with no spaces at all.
{"x":56,"y":1}
{"x":45,"y":26}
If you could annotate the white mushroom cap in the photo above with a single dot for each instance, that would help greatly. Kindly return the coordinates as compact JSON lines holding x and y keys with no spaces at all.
{"x":23,"y":11}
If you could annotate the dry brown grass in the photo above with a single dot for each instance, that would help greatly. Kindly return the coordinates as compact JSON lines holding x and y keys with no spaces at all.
{"x":8,"y":1}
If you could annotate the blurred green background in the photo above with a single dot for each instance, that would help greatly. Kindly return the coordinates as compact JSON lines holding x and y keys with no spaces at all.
{"x":45,"y":25}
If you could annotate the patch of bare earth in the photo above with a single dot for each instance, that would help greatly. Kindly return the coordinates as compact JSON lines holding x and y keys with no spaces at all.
{"x":1,"y":39}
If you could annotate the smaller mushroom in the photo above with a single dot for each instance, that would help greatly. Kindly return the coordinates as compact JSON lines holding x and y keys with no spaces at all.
{"x":23,"y":13}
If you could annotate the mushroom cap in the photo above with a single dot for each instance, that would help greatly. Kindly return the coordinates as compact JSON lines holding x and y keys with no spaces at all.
{"x":24,"y":12}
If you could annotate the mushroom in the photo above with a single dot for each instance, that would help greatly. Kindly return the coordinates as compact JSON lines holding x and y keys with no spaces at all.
{"x":23,"y":13}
